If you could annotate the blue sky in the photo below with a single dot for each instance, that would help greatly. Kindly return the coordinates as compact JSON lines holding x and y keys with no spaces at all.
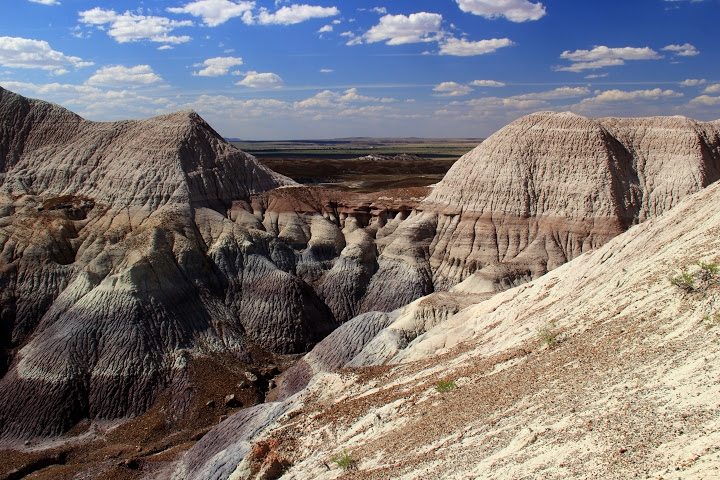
{"x":279,"y":69}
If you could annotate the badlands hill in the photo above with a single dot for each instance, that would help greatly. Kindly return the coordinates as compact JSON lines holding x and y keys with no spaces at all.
{"x":137,"y":255}
{"x":602,"y":368}
{"x":540,"y":192}
{"x":149,"y":269}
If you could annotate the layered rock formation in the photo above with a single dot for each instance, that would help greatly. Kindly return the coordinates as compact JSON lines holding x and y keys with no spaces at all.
{"x":538,"y":193}
{"x":628,"y":386}
{"x":129,"y":250}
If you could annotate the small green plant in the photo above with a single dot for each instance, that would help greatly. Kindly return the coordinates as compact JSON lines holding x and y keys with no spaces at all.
{"x":548,"y":334}
{"x":708,"y":271}
{"x":712,"y":320}
{"x":344,"y":460}
{"x":684,"y":281}
{"x":444,"y":386}
{"x":698,"y":281}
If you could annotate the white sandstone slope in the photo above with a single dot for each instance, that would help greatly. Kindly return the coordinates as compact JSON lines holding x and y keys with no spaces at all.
{"x":632,"y":388}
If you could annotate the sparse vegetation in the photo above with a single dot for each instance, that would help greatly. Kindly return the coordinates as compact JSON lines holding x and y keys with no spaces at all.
{"x":698,"y":281}
{"x":548,"y":334}
{"x":344,"y":460}
{"x":712,"y":321}
{"x":708,"y":272}
{"x":444,"y":386}
{"x":684,"y":281}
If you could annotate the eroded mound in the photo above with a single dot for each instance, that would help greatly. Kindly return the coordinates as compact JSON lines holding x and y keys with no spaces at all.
{"x":540,"y":192}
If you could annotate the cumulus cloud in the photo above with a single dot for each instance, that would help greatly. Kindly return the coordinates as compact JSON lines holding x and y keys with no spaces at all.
{"x":486,"y":83}
{"x":326,"y":70}
{"x":705,"y":100}
{"x":261,"y":80}
{"x":513,"y":10}
{"x":119,"y":76}
{"x":712,"y":88}
{"x":131,"y":27}
{"x":17,"y":52}
{"x":326,"y":29}
{"x":498,"y":104}
{"x":452,"y":89}
{"x":51,"y":88}
{"x":602,"y":56}
{"x":424,"y":27}
{"x":215,"y":67}
{"x":621,"y":96}
{"x":329,"y":99}
{"x":401,"y":29}
{"x":290,"y":15}
{"x":464,"y":48}
{"x":557,"y":94}
{"x":685,"y":50}
{"x":693,"y":82}
{"x":215,"y":12}
{"x":46,"y":2}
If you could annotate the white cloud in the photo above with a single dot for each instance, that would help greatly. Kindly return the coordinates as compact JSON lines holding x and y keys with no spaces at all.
{"x":165,"y":47}
{"x":261,"y":80}
{"x":17,"y":52}
{"x":452,"y":89}
{"x":693,"y":82}
{"x":215,"y":67}
{"x":291,"y":15}
{"x":328,"y":99}
{"x":618,"y":96}
{"x":557,"y":94}
{"x":46,"y":2}
{"x":130,"y":27}
{"x":326,"y":70}
{"x":401,"y":29}
{"x":326,"y":29}
{"x":603,"y":56}
{"x":513,"y":10}
{"x":119,"y":76}
{"x":50,"y":88}
{"x":380,"y":10}
{"x":596,"y":75}
{"x":712,"y":88}
{"x":215,"y":12}
{"x":496,"y":104}
{"x":486,"y":83}
{"x":705,"y":100}
{"x":464,"y":48}
{"x":685,"y":50}
{"x":96,"y":103}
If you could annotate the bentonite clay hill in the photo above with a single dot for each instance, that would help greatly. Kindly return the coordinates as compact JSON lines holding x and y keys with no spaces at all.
{"x":540,"y":192}
{"x":148,"y":268}
{"x":131,"y":251}
{"x":602,"y":368}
